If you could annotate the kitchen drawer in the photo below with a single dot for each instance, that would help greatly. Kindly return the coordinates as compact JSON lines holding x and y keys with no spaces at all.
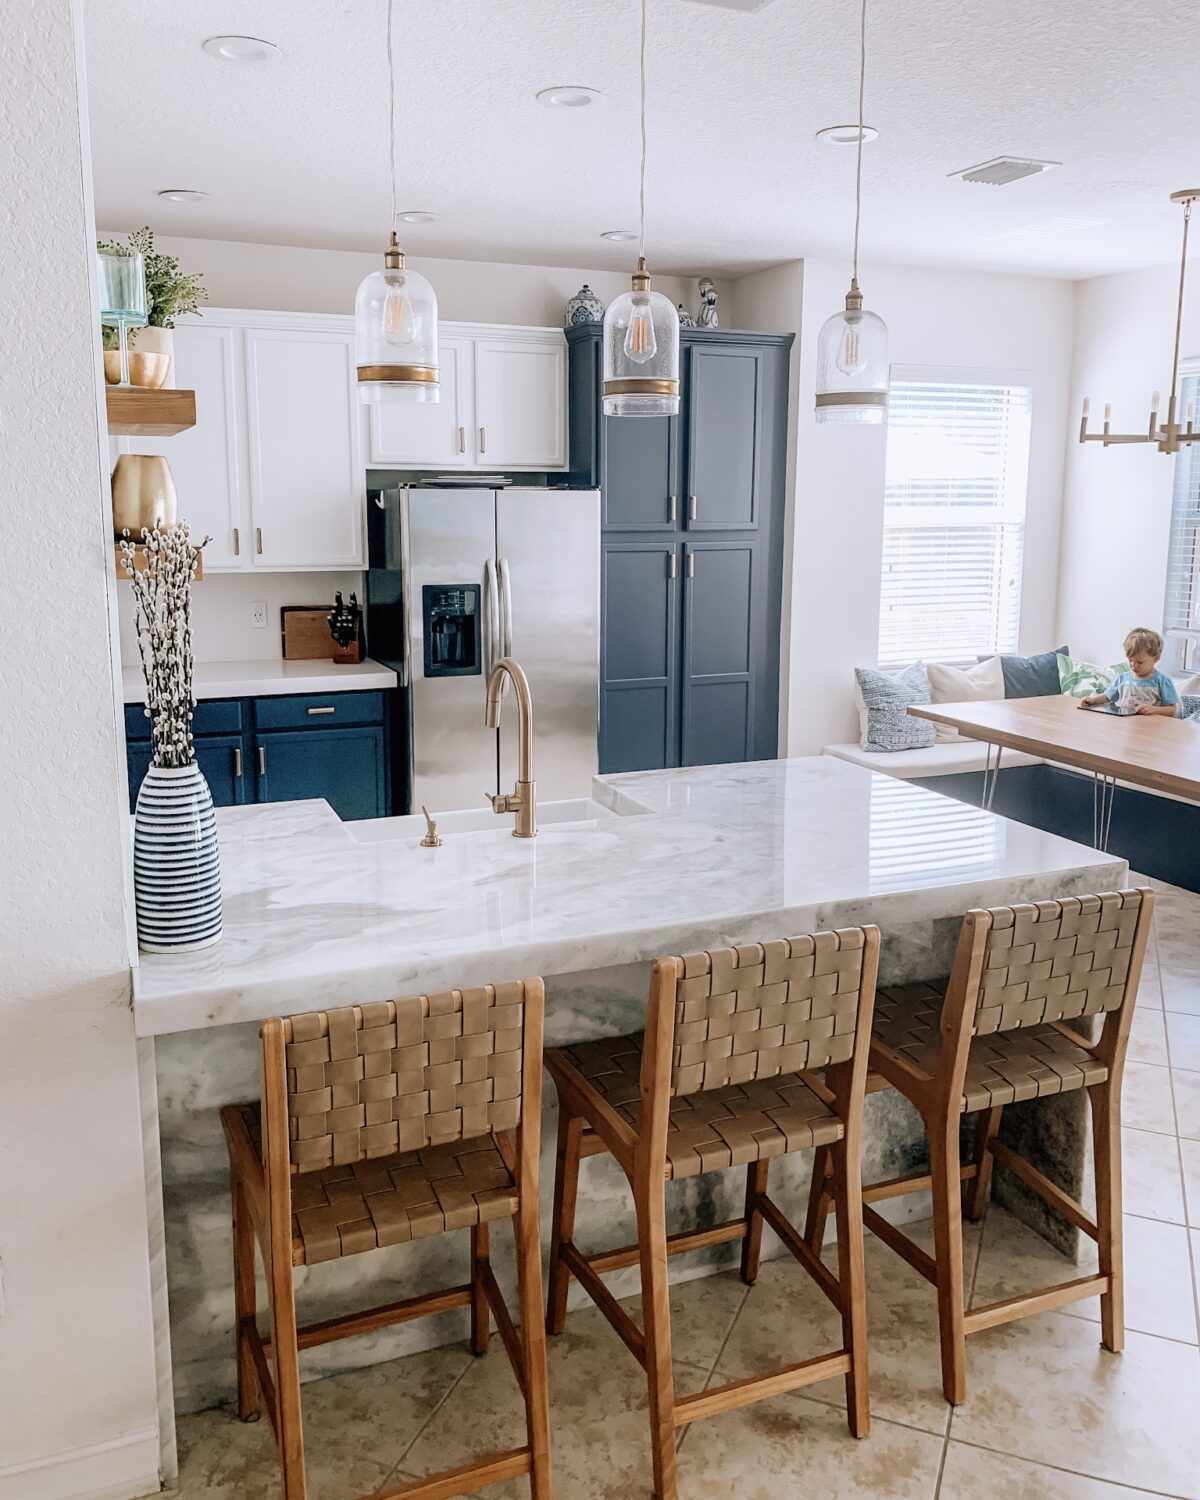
{"x":318,"y":710}
{"x":211,"y":716}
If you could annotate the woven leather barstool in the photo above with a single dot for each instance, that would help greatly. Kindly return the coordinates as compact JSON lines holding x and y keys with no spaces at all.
{"x":381,"y":1124}
{"x":722,"y":1077}
{"x":993,"y":1035}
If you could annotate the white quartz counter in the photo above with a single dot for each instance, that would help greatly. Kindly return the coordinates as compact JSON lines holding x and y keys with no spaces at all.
{"x":718,"y":854}
{"x":271,"y":679}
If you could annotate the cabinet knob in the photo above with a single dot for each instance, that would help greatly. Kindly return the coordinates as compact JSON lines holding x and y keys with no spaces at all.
{"x":329,"y":710}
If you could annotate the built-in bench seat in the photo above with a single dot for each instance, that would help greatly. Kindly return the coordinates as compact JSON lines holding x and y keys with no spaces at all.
{"x":950,"y":759}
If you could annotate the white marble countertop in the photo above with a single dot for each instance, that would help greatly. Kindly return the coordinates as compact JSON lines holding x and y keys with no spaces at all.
{"x":718,"y":854}
{"x":270,"y":679}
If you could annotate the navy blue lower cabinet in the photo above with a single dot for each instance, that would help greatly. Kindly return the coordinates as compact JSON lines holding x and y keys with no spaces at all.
{"x":221,"y":758}
{"x":348,"y":767}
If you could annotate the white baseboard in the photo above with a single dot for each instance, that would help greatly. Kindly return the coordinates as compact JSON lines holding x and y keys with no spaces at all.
{"x":122,"y":1469}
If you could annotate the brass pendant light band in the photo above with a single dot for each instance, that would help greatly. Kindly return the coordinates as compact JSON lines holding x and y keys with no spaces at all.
{"x":641,"y":386}
{"x":397,"y":374}
{"x":852,"y":398}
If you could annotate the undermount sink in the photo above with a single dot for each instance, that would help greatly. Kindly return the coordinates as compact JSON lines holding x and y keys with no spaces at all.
{"x":477,"y":820}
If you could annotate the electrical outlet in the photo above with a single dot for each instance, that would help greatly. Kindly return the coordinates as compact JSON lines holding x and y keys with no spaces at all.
{"x":258,"y":616}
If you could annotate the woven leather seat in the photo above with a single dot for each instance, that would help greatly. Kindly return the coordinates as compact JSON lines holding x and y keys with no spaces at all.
{"x":1004,"y":1067}
{"x":724,"y":1127}
{"x":388,"y":1200}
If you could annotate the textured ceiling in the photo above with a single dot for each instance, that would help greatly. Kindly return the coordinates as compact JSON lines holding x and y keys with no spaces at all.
{"x":294,"y":151}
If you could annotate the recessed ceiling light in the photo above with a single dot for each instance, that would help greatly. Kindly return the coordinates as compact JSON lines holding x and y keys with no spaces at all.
{"x":568,"y":96}
{"x":240,"y":49}
{"x":620,"y":235}
{"x":417,"y":216}
{"x":846,"y":135}
{"x":183,"y":195}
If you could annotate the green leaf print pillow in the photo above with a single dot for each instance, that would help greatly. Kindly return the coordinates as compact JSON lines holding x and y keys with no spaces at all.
{"x":1081,"y":679}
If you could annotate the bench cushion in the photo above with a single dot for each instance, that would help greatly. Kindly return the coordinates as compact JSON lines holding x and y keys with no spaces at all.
{"x":934,"y":760}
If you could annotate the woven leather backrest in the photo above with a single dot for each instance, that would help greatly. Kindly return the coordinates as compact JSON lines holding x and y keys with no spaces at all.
{"x":765,"y":1009}
{"x":1056,"y":960}
{"x":400,"y":1075}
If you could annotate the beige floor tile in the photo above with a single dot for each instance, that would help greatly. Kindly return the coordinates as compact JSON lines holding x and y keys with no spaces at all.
{"x":1043,"y":1389}
{"x":702,"y":1313}
{"x":1190,"y":1152}
{"x":791,"y":1447}
{"x":221,"y":1458}
{"x":1183,"y":1035}
{"x":1153,"y":1188}
{"x":905,"y":1362}
{"x":1186,"y":1087}
{"x":1181,"y":991}
{"x":976,"y":1474}
{"x":1146,"y":1098}
{"x":1147,"y":1037}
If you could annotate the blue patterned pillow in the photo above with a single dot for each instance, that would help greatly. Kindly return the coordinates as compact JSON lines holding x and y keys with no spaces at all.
{"x":1189,"y":706}
{"x":886,"y":724}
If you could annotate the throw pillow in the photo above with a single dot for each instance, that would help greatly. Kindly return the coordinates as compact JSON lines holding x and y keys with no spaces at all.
{"x":887,"y":724}
{"x":963,"y":684}
{"x":1189,"y":706}
{"x":1032,"y":676}
{"x":1082,"y":679}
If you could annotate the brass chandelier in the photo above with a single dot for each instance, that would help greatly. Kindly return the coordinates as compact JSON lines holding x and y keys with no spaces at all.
{"x":1168,"y":436}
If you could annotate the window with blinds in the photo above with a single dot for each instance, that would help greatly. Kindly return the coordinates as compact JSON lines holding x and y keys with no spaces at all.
{"x":1181,"y":607}
{"x":954,"y":520}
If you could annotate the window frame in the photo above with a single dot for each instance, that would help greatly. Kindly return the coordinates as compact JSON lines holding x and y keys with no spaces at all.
{"x":1183,"y":639}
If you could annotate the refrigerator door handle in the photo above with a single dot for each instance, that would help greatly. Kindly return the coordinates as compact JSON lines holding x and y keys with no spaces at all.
{"x":403,"y":518}
{"x":505,"y":608}
{"x":491,"y":605}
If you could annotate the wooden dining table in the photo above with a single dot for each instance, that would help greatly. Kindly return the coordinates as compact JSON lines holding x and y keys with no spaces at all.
{"x":1143,"y":750}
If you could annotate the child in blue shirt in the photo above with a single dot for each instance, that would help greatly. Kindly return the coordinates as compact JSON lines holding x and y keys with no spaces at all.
{"x":1143,"y":689}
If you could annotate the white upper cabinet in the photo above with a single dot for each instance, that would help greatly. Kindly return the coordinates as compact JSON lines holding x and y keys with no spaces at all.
{"x":306,"y":471}
{"x":503,"y":405}
{"x":521,"y":402}
{"x":208,"y":460}
{"x":409,"y":435}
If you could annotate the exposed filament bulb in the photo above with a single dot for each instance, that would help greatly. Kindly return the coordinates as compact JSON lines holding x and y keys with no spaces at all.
{"x":640,"y":341}
{"x":849,"y":355}
{"x":398,"y":325}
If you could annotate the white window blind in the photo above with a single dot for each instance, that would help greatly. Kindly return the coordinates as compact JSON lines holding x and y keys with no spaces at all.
{"x":954,"y":520}
{"x":1181,"y":607}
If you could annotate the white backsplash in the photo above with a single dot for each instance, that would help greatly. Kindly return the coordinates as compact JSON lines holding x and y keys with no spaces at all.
{"x":221,"y":604}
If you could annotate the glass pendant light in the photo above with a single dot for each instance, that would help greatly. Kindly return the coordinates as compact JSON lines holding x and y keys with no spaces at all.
{"x":395,"y":310}
{"x":641,"y":327}
{"x":852,"y":348}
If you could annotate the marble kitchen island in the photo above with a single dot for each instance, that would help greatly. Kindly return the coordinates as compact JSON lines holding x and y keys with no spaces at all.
{"x":659,"y":862}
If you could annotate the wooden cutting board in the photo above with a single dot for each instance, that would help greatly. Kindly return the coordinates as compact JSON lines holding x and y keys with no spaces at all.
{"x":306,"y":633}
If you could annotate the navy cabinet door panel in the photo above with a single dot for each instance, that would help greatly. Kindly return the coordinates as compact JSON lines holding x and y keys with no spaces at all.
{"x":318,"y":710}
{"x":718,"y":653}
{"x":641,"y":485}
{"x":220,"y":757}
{"x":639,"y":675}
{"x":724,"y":408}
{"x":345,"y":766}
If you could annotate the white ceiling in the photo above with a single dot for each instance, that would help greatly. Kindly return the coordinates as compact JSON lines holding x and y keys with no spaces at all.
{"x":294,"y":151}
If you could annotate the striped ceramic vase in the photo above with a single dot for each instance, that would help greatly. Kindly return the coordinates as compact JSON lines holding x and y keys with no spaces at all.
{"x":176,"y":870}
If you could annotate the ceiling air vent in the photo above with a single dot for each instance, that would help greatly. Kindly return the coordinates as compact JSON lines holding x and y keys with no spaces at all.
{"x":1002,"y":170}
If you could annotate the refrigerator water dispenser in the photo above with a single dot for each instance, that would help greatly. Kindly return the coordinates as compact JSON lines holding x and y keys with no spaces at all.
{"x":451,"y":633}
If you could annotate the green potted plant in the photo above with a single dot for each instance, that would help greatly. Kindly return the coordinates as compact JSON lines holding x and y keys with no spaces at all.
{"x":169,"y":294}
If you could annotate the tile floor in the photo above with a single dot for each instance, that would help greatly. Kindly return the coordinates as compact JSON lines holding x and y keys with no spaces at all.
{"x":1049,"y":1412}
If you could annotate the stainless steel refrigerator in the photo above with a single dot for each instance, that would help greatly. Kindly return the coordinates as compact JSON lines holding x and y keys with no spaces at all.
{"x":457,"y":578}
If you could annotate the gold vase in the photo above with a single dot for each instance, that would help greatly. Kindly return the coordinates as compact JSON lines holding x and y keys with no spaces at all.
{"x":143,"y":494}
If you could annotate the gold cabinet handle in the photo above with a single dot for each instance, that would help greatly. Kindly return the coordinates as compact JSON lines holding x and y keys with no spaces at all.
{"x":237,"y":762}
{"x":691,"y":567}
{"x":672,"y":565}
{"x":673,"y":513}
{"x":237,"y":552}
{"x":462,"y":439}
{"x":262,"y":760}
{"x":483,"y":440}
{"x":258,"y":540}
{"x":691,"y":507}
{"x":322,"y":710}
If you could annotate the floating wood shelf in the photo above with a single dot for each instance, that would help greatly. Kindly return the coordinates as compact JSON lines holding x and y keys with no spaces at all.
{"x":135,"y":411}
{"x":141,"y":559}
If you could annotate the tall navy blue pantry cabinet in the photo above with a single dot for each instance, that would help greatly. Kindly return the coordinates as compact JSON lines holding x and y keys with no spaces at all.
{"x":692,"y":553}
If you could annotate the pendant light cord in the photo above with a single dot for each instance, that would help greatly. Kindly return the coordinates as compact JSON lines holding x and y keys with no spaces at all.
{"x":391,"y":109}
{"x":862,"y":84}
{"x":642,"y":168}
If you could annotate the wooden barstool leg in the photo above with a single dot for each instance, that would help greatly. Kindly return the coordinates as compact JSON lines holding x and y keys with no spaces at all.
{"x":852,"y":1278}
{"x":650,"y":1203}
{"x":946,"y":1190}
{"x":481,"y":1321}
{"x":566,"y":1191}
{"x":533,"y":1344}
{"x":756,"y":1185}
{"x":976,"y":1196}
{"x":1105,"y":1100}
{"x":818,"y":1200}
{"x":244,"y":1304}
{"x":287,"y":1372}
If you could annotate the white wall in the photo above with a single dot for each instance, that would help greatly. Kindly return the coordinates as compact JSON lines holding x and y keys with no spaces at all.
{"x":284,"y":278}
{"x":77,"y":1389}
{"x":1118,"y":500}
{"x":940,"y":318}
